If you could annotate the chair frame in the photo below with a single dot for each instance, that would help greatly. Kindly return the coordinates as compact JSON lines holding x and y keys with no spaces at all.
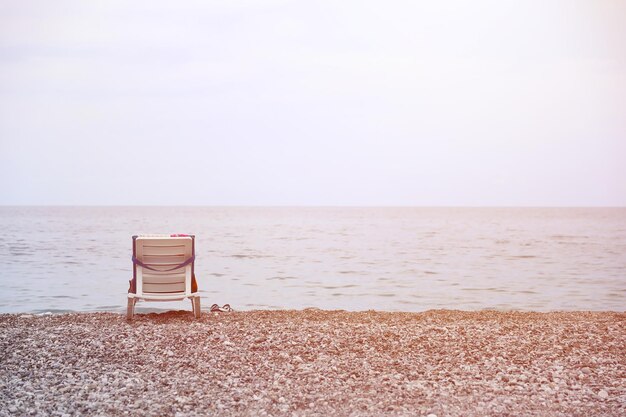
{"x":138,"y":272}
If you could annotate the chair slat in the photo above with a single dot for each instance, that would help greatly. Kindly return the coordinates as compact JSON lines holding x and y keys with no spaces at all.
{"x":163,"y":279}
{"x":164,"y":288}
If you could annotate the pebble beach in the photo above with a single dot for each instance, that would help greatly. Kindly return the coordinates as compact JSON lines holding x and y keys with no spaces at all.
{"x":314,"y":363}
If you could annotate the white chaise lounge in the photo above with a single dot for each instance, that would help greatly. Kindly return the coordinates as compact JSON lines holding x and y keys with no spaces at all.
{"x":163,"y":270}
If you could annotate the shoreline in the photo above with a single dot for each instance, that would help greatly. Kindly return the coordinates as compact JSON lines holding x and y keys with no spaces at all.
{"x":145,"y":308}
{"x":314,"y":362}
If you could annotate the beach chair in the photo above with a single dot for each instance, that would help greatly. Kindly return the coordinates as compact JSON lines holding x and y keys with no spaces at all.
{"x":163,"y":270}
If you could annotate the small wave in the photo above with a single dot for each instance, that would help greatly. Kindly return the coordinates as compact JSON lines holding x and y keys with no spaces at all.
{"x":51,"y":311}
{"x":407,"y":302}
{"x":19,"y":247}
{"x":68,"y":297}
{"x":569,"y":237}
{"x":250,"y":256}
{"x":493,"y":289}
{"x":280,"y":278}
{"x":332,"y":287}
{"x":108,"y":307}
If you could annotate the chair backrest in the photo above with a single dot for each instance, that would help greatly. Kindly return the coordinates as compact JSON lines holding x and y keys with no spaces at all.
{"x":163,"y":265}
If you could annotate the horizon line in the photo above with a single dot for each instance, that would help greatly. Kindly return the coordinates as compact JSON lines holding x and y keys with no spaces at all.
{"x":302,"y":206}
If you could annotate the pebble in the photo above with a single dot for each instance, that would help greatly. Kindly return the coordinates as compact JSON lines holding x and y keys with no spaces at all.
{"x":603,"y":394}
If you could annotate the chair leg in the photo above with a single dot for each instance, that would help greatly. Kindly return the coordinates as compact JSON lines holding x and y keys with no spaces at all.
{"x":196,"y":307}
{"x":130,"y":309}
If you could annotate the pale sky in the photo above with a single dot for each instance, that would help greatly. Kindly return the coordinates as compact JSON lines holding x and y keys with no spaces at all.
{"x":375,"y":103}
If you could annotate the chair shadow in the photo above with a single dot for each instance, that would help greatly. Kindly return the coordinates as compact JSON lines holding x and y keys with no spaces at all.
{"x":163,"y":317}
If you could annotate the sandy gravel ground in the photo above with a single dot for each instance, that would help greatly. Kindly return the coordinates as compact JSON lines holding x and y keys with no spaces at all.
{"x":312,"y":362}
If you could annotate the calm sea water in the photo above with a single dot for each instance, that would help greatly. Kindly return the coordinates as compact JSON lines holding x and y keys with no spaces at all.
{"x":398,"y":259}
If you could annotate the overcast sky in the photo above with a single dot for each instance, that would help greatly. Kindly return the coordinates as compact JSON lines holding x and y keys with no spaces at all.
{"x":313,"y":103}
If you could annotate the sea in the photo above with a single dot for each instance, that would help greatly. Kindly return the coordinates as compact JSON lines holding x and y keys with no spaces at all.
{"x":78,"y":259}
